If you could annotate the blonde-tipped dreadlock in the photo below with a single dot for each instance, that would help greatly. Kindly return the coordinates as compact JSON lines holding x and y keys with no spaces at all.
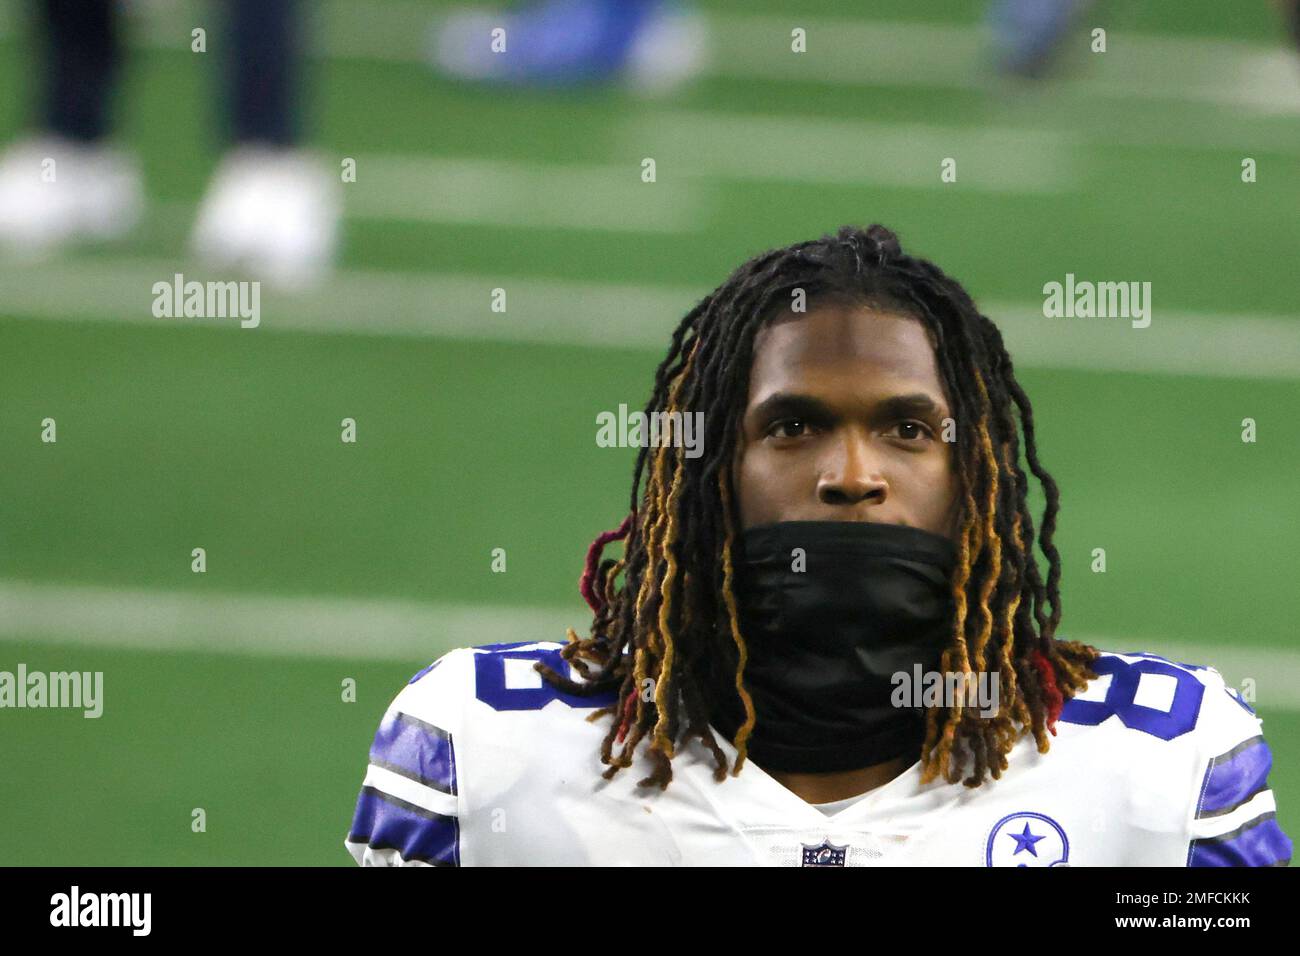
{"x":673,"y":614}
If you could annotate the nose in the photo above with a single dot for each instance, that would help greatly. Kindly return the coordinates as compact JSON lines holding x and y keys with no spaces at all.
{"x":851,"y":475}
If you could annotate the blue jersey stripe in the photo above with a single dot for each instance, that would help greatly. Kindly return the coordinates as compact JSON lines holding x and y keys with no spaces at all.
{"x":386,"y":823}
{"x":1260,"y":842}
{"x":415,"y":749}
{"x":1234,"y":777}
{"x":426,"y":670}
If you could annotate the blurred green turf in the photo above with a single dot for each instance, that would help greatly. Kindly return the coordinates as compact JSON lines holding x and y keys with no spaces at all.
{"x":172,"y":437}
{"x":187,"y":437}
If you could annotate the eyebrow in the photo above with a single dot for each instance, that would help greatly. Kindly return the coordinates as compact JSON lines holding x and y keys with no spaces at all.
{"x":795,"y":404}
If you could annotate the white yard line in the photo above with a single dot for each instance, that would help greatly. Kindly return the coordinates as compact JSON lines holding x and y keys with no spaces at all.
{"x":614,"y":315}
{"x":373,"y":303}
{"x":599,"y":198}
{"x":1176,"y":343}
{"x":252,"y":624}
{"x":696,"y":152}
{"x":415,"y":632}
{"x":782,"y":148}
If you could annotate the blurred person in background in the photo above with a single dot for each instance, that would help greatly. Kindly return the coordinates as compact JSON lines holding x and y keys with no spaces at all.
{"x":656,"y":46}
{"x":1029,"y":35}
{"x":270,"y":208}
{"x":652,"y":45}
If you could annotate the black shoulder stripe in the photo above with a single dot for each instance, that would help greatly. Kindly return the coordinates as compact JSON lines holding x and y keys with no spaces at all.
{"x":423,"y":725}
{"x":408,"y":807}
{"x":1211,"y":814}
{"x":1233,"y":834}
{"x":1244,"y":745}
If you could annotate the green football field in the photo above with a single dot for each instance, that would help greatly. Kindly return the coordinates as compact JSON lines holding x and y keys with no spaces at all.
{"x":329,"y":561}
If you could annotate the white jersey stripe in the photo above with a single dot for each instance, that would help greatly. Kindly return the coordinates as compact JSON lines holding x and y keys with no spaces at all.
{"x":404,"y":788}
{"x":369,"y":856}
{"x":1208,"y":827}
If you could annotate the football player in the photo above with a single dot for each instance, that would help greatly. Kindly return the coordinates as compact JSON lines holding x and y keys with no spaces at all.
{"x":854,"y":519}
{"x":271,"y":207}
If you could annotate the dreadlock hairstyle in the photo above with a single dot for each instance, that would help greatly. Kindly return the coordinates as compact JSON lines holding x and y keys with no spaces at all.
{"x":667,"y":610}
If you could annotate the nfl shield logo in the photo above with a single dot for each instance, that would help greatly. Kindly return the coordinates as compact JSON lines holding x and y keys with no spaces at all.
{"x":827,"y":854}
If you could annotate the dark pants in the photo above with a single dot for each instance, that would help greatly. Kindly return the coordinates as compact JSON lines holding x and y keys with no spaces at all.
{"x":84,"y":53}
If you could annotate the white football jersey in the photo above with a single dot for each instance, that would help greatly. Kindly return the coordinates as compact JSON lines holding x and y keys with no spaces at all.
{"x":479,"y":762}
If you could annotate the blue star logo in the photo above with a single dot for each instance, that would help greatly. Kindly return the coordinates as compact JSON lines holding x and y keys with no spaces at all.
{"x":1025,"y":851}
{"x":1025,"y":841}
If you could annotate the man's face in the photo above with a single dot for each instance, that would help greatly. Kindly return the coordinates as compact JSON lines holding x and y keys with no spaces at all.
{"x":844,"y":422}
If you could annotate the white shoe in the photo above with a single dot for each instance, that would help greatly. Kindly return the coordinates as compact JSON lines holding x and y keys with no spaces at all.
{"x":670,"y":52}
{"x":274,"y":212}
{"x":54,"y":191}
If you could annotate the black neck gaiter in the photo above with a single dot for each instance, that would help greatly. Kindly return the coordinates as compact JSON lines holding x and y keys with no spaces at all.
{"x":826,"y":627}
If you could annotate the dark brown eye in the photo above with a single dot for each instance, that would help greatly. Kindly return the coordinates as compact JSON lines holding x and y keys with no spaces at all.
{"x":917,"y":430}
{"x":788,"y":428}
